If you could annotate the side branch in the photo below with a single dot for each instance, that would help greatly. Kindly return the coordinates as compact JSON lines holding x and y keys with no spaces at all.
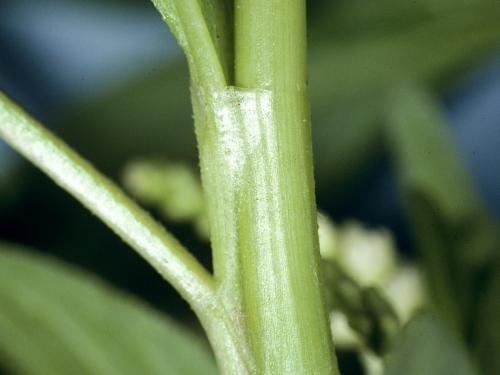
{"x":135,"y":226}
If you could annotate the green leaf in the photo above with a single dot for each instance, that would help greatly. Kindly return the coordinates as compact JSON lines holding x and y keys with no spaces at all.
{"x":368,"y":58}
{"x":487,"y":343}
{"x":425,"y":347}
{"x":55,"y":319}
{"x":351,"y":18}
{"x":456,"y":236}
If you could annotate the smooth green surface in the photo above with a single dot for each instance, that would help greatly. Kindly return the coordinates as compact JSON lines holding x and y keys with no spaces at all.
{"x":427,"y":347}
{"x":241,"y":176}
{"x":256,"y":165}
{"x":186,"y":19}
{"x":282,"y":293}
{"x":56,"y":319}
{"x":487,"y":325}
{"x":456,"y":236}
{"x":359,"y":50}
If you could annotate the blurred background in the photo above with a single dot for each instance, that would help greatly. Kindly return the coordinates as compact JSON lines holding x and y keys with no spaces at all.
{"x":108,"y":77}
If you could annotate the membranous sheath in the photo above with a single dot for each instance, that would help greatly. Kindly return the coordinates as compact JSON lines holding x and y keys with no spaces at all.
{"x":261,"y":238}
{"x":228,"y":127}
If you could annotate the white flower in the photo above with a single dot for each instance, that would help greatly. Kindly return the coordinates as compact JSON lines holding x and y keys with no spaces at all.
{"x":328,"y":238}
{"x":368,"y":256}
{"x":405,"y":291}
{"x":343,"y":335}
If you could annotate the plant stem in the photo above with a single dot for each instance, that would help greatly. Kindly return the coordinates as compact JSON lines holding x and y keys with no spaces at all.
{"x":256,"y":165}
{"x":186,"y":20}
{"x":282,"y":291}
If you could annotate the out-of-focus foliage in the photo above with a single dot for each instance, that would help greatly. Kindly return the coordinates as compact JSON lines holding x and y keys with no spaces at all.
{"x":56,"y":319}
{"x":457,"y":238}
{"x":487,"y":324}
{"x":174,"y":188}
{"x":359,"y":49}
{"x":426,"y":346}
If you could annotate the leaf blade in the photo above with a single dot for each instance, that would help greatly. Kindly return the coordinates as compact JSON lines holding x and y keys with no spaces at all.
{"x":456,"y":236}
{"x":68,"y":322}
{"x":426,"y":347}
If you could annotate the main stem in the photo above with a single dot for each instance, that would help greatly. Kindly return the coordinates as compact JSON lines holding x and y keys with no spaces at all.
{"x":283,"y":304}
{"x":256,"y":164}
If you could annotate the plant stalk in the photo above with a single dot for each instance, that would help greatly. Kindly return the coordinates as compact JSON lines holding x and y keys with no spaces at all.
{"x":256,"y":165}
{"x":285,"y":313}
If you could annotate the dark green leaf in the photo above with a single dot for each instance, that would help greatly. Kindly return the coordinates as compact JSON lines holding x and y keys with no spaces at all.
{"x":456,"y":237}
{"x":55,"y":319}
{"x":488,"y":326}
{"x":426,"y":347}
{"x":353,"y":66}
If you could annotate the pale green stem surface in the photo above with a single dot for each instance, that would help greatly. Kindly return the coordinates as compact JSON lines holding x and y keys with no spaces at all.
{"x":256,"y":165}
{"x":255,"y":156}
{"x":287,"y":320}
{"x":131,"y":223}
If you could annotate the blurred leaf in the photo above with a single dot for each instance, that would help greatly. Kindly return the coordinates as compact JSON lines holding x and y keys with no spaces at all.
{"x":55,"y":319}
{"x":488,"y":326}
{"x":353,"y":17}
{"x":456,"y":236}
{"x":352,"y":72}
{"x":425,"y":347}
{"x":172,"y":187}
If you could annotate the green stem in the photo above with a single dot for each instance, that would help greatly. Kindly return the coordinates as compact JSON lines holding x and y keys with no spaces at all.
{"x":256,"y":165}
{"x":282,"y":291}
{"x":187,"y":21}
